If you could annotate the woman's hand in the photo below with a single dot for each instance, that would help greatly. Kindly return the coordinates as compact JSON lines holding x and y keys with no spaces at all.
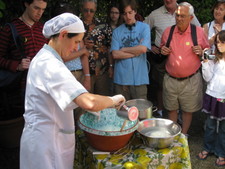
{"x":24,"y":65}
{"x":118,"y":101}
{"x":88,"y":43}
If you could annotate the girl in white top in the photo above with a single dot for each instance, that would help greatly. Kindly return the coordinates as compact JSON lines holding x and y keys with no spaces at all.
{"x":52,"y":92}
{"x":215,"y":26}
{"x":214,"y":103}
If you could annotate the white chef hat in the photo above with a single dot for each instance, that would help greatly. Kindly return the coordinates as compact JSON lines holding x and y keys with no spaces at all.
{"x":66,"y":21}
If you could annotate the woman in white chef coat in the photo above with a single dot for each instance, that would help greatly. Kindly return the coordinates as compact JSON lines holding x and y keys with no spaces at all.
{"x":52,"y":92}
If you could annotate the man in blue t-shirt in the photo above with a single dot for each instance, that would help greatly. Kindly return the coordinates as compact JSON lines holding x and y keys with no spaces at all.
{"x":130,"y":42}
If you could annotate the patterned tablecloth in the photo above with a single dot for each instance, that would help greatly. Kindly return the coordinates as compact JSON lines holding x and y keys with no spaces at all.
{"x":134,"y":156}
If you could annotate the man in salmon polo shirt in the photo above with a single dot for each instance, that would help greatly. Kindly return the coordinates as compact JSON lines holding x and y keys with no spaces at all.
{"x":182,"y":85}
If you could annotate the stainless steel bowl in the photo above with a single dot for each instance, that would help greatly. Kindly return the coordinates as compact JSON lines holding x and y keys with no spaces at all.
{"x":145,"y":107}
{"x":158,"y":132}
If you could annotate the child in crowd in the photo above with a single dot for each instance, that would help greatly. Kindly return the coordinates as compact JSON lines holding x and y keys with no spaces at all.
{"x":214,"y":103}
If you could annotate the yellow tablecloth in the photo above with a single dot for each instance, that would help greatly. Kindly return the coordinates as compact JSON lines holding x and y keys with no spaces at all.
{"x":135,"y":155}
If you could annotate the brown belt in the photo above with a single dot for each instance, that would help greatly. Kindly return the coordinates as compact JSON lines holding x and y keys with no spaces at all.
{"x":183,"y":78}
{"x":77,"y":70}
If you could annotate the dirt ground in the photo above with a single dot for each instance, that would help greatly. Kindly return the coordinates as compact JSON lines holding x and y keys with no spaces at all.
{"x":195,"y":142}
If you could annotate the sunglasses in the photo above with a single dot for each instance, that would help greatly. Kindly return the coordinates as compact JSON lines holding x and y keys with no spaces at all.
{"x":88,"y":10}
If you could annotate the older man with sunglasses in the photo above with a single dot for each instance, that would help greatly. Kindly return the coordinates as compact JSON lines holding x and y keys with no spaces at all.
{"x":97,"y":40}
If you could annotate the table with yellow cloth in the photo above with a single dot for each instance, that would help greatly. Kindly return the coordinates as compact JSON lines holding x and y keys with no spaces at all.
{"x":133,"y":156}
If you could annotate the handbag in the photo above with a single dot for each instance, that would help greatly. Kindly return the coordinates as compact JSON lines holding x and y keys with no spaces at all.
{"x":8,"y":78}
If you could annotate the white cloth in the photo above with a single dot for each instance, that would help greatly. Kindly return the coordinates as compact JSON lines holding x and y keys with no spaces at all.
{"x":48,"y":140}
{"x":66,"y":21}
{"x":160,"y":19}
{"x":214,"y":75}
{"x":211,"y":32}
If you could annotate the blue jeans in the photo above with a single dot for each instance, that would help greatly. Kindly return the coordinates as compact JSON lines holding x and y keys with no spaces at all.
{"x":215,"y":142}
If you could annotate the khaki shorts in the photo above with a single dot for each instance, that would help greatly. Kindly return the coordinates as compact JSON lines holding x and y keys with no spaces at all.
{"x":186,"y":95}
{"x":132,"y":92}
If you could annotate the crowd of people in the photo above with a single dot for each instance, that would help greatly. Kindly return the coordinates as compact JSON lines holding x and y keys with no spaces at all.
{"x":71,"y":64}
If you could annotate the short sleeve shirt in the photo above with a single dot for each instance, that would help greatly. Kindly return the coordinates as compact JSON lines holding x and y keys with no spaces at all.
{"x":131,"y":71}
{"x":182,"y":61}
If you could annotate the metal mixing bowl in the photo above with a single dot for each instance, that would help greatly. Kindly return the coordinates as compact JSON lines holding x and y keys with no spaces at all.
{"x":145,"y":107}
{"x":158,"y":132}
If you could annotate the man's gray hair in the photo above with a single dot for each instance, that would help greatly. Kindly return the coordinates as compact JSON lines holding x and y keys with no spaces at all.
{"x":191,"y":8}
{"x":95,"y":1}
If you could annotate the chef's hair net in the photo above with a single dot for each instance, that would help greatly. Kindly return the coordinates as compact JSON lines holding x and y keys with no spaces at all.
{"x":66,"y":21}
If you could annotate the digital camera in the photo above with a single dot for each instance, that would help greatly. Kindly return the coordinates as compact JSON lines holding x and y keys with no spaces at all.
{"x":207,"y":55}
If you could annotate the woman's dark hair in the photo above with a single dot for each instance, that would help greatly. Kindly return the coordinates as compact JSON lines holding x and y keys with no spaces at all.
{"x":69,"y":35}
{"x":216,"y":5}
{"x":115,"y":5}
{"x":125,"y":3}
{"x":221,"y":37}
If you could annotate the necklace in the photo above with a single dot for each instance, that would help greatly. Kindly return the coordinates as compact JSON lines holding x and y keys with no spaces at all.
{"x":28,"y":24}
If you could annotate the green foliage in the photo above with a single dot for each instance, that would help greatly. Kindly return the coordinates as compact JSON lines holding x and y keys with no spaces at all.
{"x":14,"y":8}
{"x":2,"y":7}
{"x":202,"y":9}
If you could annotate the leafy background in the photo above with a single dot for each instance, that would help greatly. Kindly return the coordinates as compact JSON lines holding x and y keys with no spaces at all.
{"x":13,"y":8}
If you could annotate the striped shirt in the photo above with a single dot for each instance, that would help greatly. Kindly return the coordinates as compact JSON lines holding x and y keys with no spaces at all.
{"x":33,"y":40}
{"x":160,"y":19}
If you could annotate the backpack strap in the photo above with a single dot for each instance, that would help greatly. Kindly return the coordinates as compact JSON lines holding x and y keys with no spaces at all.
{"x":194,"y":35}
{"x":170,"y":36}
{"x":14,"y":33}
{"x":16,"y":38}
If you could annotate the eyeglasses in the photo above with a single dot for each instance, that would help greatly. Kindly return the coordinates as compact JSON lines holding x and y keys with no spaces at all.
{"x":88,"y":10}
{"x":181,"y":16}
{"x":116,"y":13}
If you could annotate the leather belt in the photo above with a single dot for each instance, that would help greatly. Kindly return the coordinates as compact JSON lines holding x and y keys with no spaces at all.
{"x":77,"y":70}
{"x":183,"y":78}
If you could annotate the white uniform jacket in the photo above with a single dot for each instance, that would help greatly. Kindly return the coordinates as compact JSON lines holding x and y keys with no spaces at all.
{"x":48,"y":140}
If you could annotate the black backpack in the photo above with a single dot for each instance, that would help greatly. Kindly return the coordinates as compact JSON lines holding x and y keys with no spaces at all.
{"x":10,"y":79}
